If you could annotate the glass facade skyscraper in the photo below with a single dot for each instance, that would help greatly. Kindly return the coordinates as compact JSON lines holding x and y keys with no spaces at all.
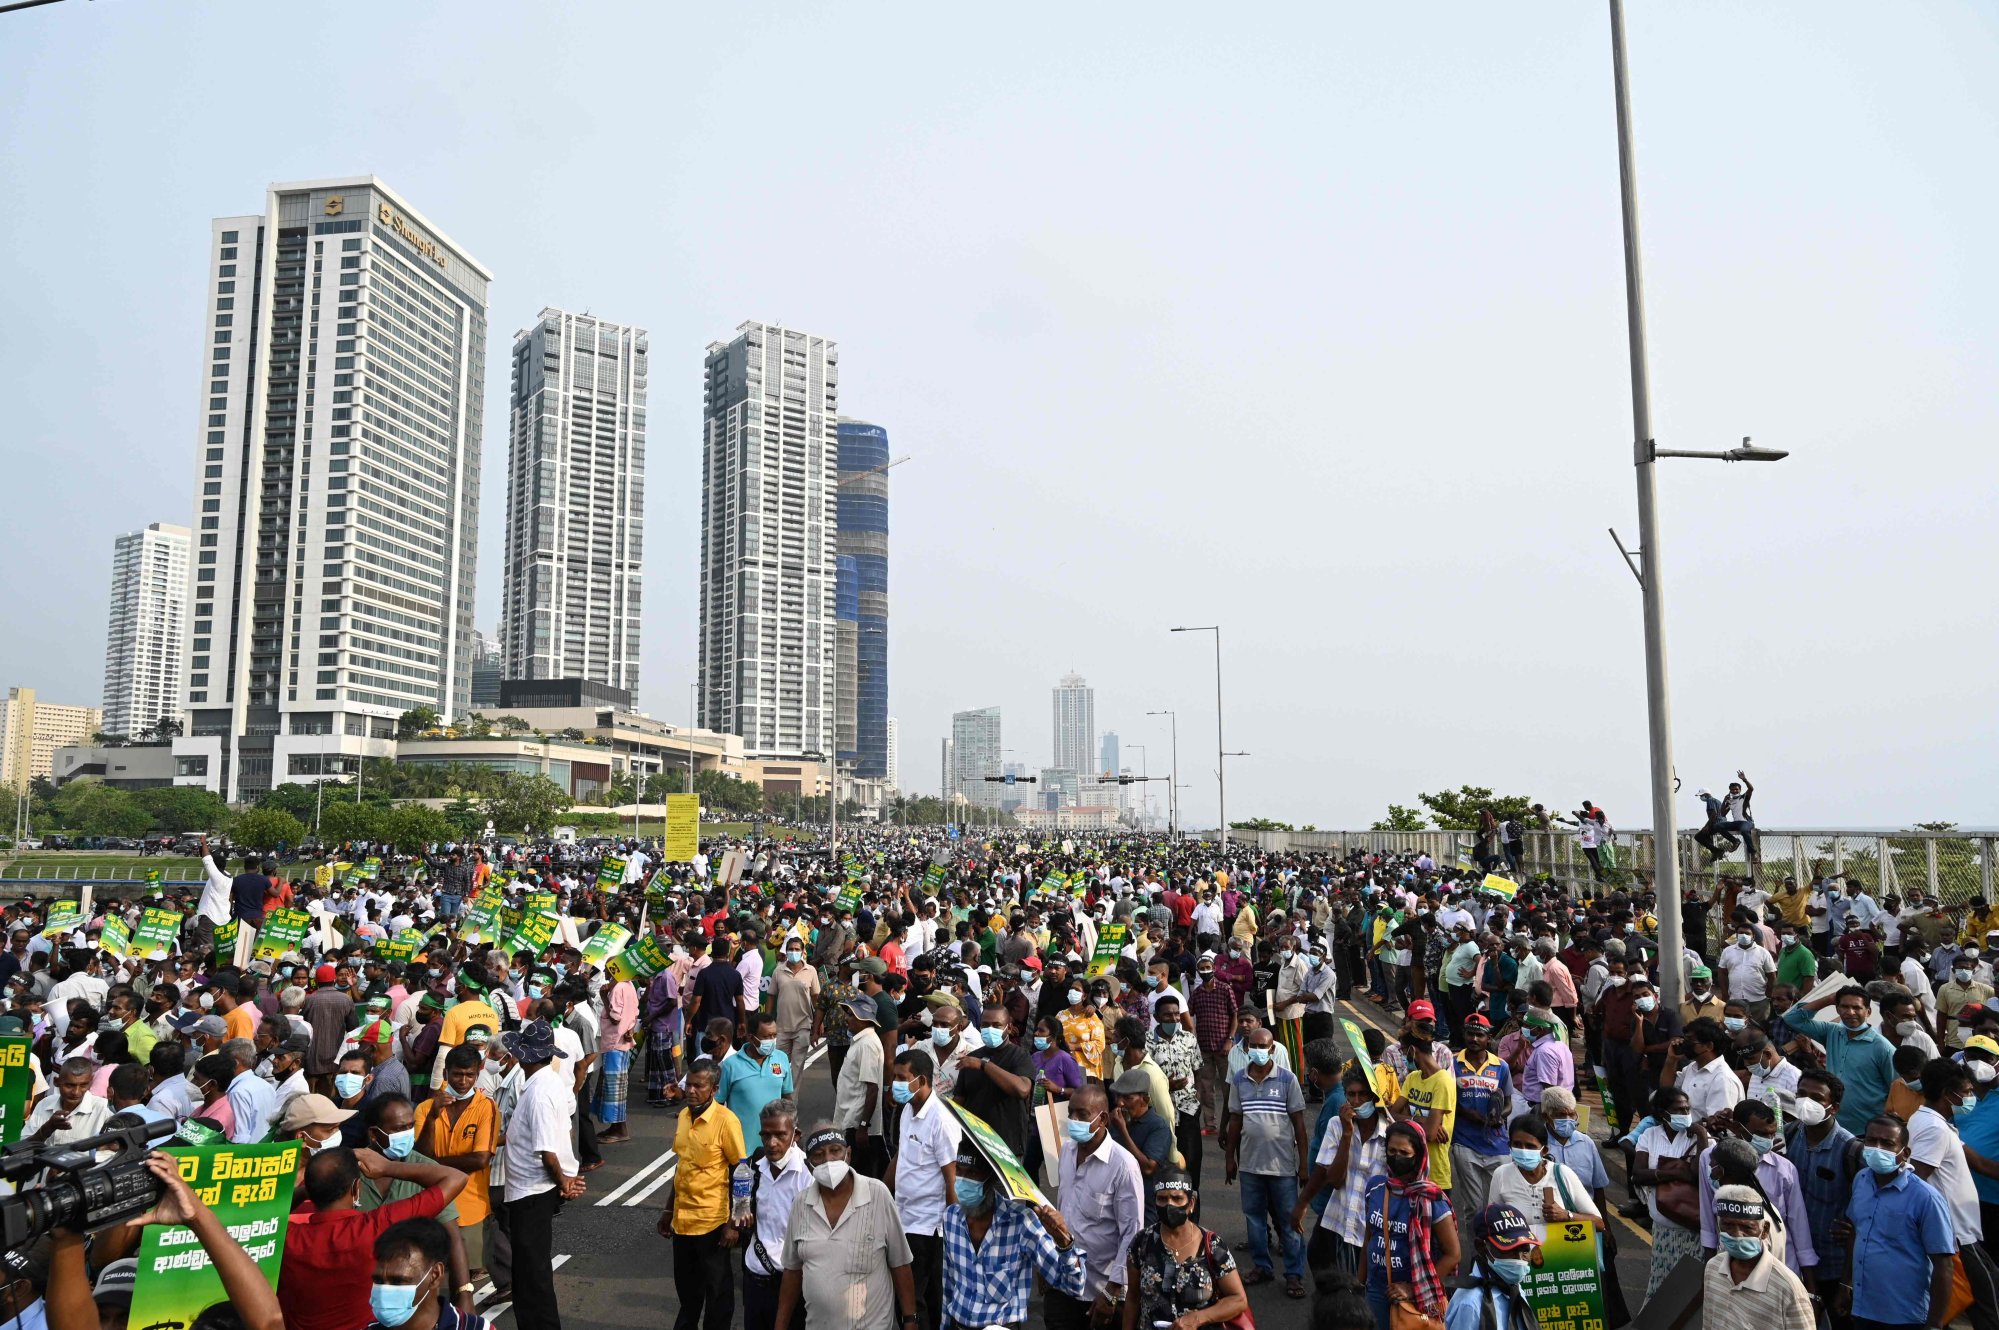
{"x":863,"y":598}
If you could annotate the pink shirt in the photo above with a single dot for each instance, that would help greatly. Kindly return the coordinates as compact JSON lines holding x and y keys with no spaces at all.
{"x":1559,"y":979}
{"x":621,"y":1014}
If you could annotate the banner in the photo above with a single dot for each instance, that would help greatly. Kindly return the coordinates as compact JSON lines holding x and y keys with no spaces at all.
{"x":657,"y":886}
{"x":1052,"y":884}
{"x":225,"y":938}
{"x":611,"y":874}
{"x":933,"y":879}
{"x":1079,"y":884}
{"x":250,"y":1189}
{"x":1110,"y":942}
{"x":999,"y":1156}
{"x":1499,"y":886}
{"x":683,"y":828}
{"x":371,"y":868}
{"x":157,"y":932}
{"x":535,"y":932}
{"x":538,"y":902}
{"x":283,"y":930}
{"x":62,"y":917}
{"x":385,"y":950}
{"x":155,"y":880}
{"x":1566,"y":1288}
{"x":642,"y":960}
{"x":116,"y":937}
{"x":606,"y":942}
{"x":17,"y":1082}
{"x":482,"y":918}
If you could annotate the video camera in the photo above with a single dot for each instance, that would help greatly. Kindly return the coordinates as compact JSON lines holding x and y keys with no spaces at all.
{"x":91,"y":1184}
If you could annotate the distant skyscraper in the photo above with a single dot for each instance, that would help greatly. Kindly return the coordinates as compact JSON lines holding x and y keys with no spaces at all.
{"x":1017,"y":795}
{"x":1075,"y":724}
{"x":146,"y":645}
{"x":769,"y":476}
{"x":894,"y":756}
{"x":1107,"y":755}
{"x":975,"y":755}
{"x":338,"y":484}
{"x":31,"y":731}
{"x":863,"y":596}
{"x":487,"y":670}
{"x":576,"y":474}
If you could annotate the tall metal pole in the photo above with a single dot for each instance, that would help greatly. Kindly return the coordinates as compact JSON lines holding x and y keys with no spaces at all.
{"x":1221,"y":758}
{"x":1658,"y":710}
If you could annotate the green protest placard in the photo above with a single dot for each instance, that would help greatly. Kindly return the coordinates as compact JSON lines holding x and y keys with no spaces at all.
{"x":157,"y":932}
{"x":386,"y":950}
{"x":642,"y":960}
{"x":657,"y":886}
{"x":608,"y":941}
{"x":1079,"y":884}
{"x":850,"y":894}
{"x":1566,"y":1288}
{"x":611,"y":873}
{"x":17,"y":1081}
{"x":249,"y":1187}
{"x":62,"y":917}
{"x":155,"y":879}
{"x":1358,"y":1042}
{"x":538,"y":902}
{"x":535,"y":932}
{"x":371,"y":868}
{"x":1052,"y":884}
{"x":116,"y":937}
{"x":999,"y":1157}
{"x":1110,"y":941}
{"x":283,"y":930}
{"x":933,"y":879}
{"x":482,"y":918}
{"x":225,"y":937}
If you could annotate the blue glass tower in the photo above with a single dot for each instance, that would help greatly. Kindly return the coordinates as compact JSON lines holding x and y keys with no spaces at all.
{"x":862,"y":598}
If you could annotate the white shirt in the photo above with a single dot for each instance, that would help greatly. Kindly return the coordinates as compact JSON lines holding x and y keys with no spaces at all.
{"x":922,"y":936}
{"x":1918,"y":985}
{"x":777,"y":1190}
{"x":1776,"y":1086}
{"x":1933,"y":1141}
{"x":540,"y":1123}
{"x":87,"y":1120}
{"x":929,"y":1145}
{"x":1749,"y":969}
{"x":79,"y":985}
{"x":1208,"y":918}
{"x":1710,"y":1089}
{"x":214,"y":904}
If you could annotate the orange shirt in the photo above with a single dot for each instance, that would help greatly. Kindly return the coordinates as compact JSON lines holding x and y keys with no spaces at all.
{"x":476,"y":1129}
{"x":241,"y":1022}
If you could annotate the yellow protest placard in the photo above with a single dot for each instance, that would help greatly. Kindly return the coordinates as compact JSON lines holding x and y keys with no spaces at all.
{"x":683,"y":828}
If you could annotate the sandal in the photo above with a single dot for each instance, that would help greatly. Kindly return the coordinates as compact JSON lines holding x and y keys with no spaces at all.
{"x":1257,"y":1276}
{"x":1294,"y":1287}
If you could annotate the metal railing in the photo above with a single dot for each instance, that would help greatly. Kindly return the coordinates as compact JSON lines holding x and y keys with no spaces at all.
{"x":42,"y":874}
{"x":1957,"y":867}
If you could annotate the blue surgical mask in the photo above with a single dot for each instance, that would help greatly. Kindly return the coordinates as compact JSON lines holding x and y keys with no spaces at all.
{"x":1645,"y":1003}
{"x":1526,"y":1160}
{"x":1764,"y":1144}
{"x":1080,"y":1131}
{"x":1883,"y":1162}
{"x":940,"y":1037}
{"x":394,"y":1304}
{"x":1964,"y":1110}
{"x":900,"y":1091}
{"x":1564,"y":1128}
{"x":400,"y":1144}
{"x":1258,"y":1056}
{"x":1363,"y":1112}
{"x":766,"y":1046}
{"x":1742,"y":1249}
{"x":1510,"y":1269}
{"x":990,"y":1036}
{"x":1680,"y":1121}
{"x":970,"y":1194}
{"x":348,"y":1084}
{"x":1041,"y":1043}
{"x":534,"y":992}
{"x":1315,"y":961}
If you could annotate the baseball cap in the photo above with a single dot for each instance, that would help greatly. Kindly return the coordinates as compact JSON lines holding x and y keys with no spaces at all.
{"x":311,"y":1110}
{"x":861,"y":1005}
{"x":873,"y":965}
{"x":326,"y":974}
{"x":1478,"y":1022}
{"x":116,"y":1281}
{"x":211,"y":1027}
{"x":1504,"y":1227}
{"x":1422,"y":1010}
{"x":1983,"y":1043}
{"x":377,"y":1032}
{"x":1700,"y":972}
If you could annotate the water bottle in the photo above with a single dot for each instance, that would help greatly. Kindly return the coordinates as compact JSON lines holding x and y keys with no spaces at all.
{"x":739,"y":1193}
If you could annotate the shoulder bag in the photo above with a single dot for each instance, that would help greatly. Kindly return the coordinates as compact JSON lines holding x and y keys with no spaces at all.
{"x":1403,"y":1313}
{"x":1246,"y":1320}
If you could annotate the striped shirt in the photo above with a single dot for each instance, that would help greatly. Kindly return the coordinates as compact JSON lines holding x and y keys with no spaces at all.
{"x":1269,"y":1142}
{"x":988,"y":1284}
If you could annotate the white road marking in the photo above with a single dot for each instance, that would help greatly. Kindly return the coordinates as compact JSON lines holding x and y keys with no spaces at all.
{"x":665,"y":1158}
{"x":666,"y":1176}
{"x":499,"y":1309}
{"x":812,"y":1055}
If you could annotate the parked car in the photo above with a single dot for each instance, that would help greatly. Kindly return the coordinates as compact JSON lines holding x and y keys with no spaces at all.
{"x":30,"y":843}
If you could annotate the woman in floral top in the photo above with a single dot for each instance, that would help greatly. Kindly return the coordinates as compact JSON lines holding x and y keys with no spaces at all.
{"x":1180,"y":1273}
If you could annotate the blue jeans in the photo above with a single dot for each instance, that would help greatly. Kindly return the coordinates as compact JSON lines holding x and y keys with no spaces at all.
{"x":448,"y":906}
{"x":1268,"y":1199}
{"x":1377,"y":1301}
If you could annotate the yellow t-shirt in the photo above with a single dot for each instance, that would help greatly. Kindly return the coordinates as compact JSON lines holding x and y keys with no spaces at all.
{"x":709,"y":1147}
{"x":1436,"y":1092}
{"x":1792,"y":907}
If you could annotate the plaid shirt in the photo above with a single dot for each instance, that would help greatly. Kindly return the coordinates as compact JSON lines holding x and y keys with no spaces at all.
{"x":988,"y":1284}
{"x":1214,"y":1008}
{"x":1345,"y":1215}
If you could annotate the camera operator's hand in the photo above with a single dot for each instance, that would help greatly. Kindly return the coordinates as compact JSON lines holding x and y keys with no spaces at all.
{"x":177,"y":1204}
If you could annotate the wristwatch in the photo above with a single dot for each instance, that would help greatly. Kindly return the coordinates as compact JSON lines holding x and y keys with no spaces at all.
{"x":466,"y":1288}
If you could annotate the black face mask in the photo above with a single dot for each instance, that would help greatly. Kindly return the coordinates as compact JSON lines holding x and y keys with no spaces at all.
{"x":1172,"y":1216}
{"x":1403,"y":1166}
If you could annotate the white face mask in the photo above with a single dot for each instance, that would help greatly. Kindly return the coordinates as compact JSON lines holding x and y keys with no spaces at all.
{"x":1808,"y":1111}
{"x":830,"y":1174}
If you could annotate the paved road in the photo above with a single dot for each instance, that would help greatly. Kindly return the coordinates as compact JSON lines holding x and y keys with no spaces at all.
{"x":615,"y":1271}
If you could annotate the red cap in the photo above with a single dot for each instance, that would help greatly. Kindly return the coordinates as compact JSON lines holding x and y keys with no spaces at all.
{"x":377,"y":1032}
{"x":1031,"y":962}
{"x":326,"y":974}
{"x":1420,"y":1010}
{"x":1477,"y":1021}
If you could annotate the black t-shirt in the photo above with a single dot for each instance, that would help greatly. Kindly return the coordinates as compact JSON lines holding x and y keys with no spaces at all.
{"x":980,"y":1094}
{"x":718,"y":986}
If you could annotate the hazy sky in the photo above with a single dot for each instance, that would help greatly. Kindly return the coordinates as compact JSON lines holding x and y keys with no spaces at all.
{"x":1307,"y":320}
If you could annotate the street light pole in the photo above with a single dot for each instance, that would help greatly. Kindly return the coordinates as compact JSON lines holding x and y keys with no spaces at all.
{"x":1658,"y":709}
{"x":1173,"y":787}
{"x":1144,"y":796}
{"x":1221,"y":776}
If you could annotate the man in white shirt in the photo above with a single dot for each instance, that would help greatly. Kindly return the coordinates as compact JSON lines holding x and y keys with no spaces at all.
{"x":1936,"y":1154}
{"x":780,"y":1179}
{"x":1208,"y":915}
{"x":541,"y":1168}
{"x":924,"y":1177}
{"x":85,"y":980}
{"x":1773,"y":1079}
{"x":1746,"y":971}
{"x":69,"y":1112}
{"x":857,"y":1107}
{"x":1710,"y":1085}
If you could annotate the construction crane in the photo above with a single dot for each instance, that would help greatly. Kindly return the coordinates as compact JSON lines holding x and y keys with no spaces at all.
{"x":871,"y":471}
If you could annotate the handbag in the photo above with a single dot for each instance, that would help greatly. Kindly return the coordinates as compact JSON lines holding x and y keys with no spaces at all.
{"x":1960,"y":1289}
{"x":1403,"y":1313}
{"x":1679,"y":1202}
